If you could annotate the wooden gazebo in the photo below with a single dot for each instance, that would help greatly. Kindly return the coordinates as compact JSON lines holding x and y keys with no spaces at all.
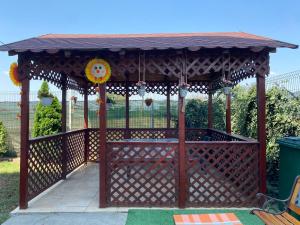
{"x":158,"y":166}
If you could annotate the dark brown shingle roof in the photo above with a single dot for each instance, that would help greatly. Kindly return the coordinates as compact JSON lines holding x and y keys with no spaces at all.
{"x":114,"y":42}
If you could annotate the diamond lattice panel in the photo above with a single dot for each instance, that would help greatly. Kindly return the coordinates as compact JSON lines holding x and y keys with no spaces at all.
{"x":93,"y":154}
{"x":222,"y":174}
{"x":75,"y":149}
{"x":142,"y":174}
{"x":44,"y":164}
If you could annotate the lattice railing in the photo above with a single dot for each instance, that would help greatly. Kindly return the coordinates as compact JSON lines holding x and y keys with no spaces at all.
{"x":156,"y":133}
{"x":44,"y":163}
{"x":142,"y":174}
{"x":93,"y":151}
{"x":75,"y":149}
{"x":217,"y":135}
{"x":45,"y":159}
{"x":196,"y":134}
{"x":121,"y":134}
{"x":222,"y":174}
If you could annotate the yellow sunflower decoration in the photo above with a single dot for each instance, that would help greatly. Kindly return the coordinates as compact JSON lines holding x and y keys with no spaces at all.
{"x":14,"y":75}
{"x":98,"y":71}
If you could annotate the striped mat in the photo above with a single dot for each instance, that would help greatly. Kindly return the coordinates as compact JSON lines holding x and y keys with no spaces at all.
{"x":207,"y":219}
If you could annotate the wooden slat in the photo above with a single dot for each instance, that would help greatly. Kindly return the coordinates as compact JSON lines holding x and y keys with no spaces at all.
{"x":282,"y":219}
{"x":291,"y":219}
{"x":268,"y":219}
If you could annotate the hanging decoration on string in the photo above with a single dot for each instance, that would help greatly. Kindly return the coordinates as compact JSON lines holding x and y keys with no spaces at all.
{"x":225,"y":79}
{"x":141,"y":84}
{"x":14,"y":74}
{"x":98,"y":71}
{"x":183,"y":84}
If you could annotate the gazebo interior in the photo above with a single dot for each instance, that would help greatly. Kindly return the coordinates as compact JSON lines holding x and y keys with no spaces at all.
{"x":165,"y":167}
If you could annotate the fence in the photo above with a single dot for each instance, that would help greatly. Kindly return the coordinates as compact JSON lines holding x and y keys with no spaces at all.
{"x":289,"y":81}
{"x":141,"y":116}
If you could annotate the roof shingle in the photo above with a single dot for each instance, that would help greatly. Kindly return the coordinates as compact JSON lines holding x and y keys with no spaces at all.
{"x":52,"y":42}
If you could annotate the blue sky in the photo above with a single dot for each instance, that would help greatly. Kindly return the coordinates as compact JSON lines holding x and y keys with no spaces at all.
{"x":277,"y":19}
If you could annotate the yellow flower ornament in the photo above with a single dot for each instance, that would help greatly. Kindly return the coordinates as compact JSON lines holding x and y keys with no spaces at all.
{"x":14,"y":75}
{"x":98,"y":71}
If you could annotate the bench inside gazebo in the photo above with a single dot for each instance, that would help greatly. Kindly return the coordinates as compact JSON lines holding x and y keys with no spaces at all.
{"x":165,"y":167}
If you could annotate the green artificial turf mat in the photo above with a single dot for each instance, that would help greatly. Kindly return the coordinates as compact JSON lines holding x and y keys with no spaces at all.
{"x":165,"y":217}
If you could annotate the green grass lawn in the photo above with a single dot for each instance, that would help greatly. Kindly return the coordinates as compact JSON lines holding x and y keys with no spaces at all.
{"x":9,"y":187}
{"x":165,"y":217}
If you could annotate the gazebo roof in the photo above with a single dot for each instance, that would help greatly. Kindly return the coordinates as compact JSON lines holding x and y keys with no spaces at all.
{"x":116,"y":42}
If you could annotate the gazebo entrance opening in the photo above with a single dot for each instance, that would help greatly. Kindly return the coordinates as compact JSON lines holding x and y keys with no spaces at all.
{"x":199,"y":167}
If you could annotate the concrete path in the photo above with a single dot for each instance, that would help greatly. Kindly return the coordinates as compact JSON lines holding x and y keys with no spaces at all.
{"x":99,"y":218}
{"x":78,"y":193}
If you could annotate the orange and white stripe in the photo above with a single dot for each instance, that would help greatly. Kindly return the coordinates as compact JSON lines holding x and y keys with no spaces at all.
{"x":207,"y":219}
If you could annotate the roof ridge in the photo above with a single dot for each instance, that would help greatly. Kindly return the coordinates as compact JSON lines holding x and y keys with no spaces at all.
{"x":137,"y":35}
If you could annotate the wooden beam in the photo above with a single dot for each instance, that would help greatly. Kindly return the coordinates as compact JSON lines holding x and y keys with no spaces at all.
{"x":102,"y":147}
{"x":64,"y":126}
{"x":86,"y":124}
{"x":228,"y":113}
{"x":24,"y":145}
{"x":182,"y":155}
{"x":210,"y":112}
{"x":127,"y":116}
{"x":261,"y":129}
{"x":168,"y":105}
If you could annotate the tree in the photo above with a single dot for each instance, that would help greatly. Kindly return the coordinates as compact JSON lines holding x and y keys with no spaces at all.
{"x":44,"y":91}
{"x":3,"y":139}
{"x":47,"y":119}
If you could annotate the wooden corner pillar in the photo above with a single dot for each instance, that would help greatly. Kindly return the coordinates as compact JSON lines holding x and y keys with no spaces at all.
{"x":210,"y":112}
{"x":228,"y":113}
{"x":102,"y":146}
{"x":86,"y":124}
{"x":182,"y":152}
{"x":24,"y":144}
{"x":261,"y":129}
{"x":64,"y":126}
{"x":127,"y":131}
{"x":168,"y":105}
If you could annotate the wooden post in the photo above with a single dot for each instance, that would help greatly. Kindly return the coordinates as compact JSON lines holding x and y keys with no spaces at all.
{"x":182,"y":154}
{"x":64,"y":128}
{"x":86,"y":125}
{"x":209,"y":112}
{"x":261,"y":129}
{"x":228,"y":113}
{"x":24,"y":144}
{"x":168,"y":106}
{"x":127,"y":131}
{"x":102,"y":146}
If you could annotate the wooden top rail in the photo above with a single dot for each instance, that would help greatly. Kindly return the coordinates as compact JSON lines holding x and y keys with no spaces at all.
{"x":60,"y":134}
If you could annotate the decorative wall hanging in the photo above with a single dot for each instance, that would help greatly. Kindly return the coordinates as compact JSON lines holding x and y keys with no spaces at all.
{"x":141,"y":84}
{"x":14,"y":74}
{"x":98,"y":71}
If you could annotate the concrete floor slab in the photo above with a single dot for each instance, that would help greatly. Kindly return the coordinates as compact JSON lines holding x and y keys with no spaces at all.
{"x":100,"y":218}
{"x":78,"y":193}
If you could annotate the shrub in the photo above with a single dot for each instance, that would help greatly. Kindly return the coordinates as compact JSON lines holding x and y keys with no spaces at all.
{"x":47,"y":119}
{"x":3,"y":139}
{"x":196,"y":113}
{"x":282,"y":119}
